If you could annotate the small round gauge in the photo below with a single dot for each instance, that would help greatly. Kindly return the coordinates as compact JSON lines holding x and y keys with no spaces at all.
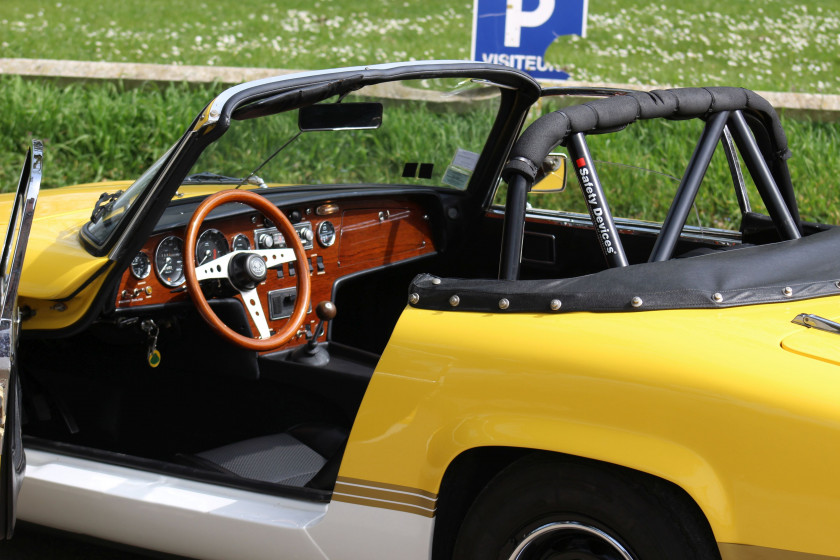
{"x":241,"y":242}
{"x":169,"y":261}
{"x":210,"y":245}
{"x":141,"y":266}
{"x":326,"y":233}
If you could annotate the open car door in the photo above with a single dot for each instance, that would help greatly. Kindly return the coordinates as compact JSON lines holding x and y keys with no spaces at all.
{"x":12,"y":460}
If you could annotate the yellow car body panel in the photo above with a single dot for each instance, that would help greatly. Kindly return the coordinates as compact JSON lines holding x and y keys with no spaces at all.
{"x":815,"y":344}
{"x":740,"y":423}
{"x":56,"y":263}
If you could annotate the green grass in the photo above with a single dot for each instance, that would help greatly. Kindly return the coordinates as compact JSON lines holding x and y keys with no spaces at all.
{"x":92,"y":132}
{"x":783,"y":45}
{"x":107,"y":131}
{"x":284,"y":34}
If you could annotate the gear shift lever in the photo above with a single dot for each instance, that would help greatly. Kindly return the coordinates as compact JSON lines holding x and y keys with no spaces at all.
{"x":311,"y":354}
{"x":326,"y":312}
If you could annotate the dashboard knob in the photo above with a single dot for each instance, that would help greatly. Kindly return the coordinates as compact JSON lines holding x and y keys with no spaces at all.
{"x":306,"y":234}
{"x":266,"y":241}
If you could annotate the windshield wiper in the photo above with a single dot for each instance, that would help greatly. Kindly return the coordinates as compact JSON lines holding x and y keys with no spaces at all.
{"x":208,"y":177}
{"x":103,"y":205}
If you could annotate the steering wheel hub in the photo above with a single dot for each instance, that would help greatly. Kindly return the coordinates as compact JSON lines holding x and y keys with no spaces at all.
{"x":246,"y":271}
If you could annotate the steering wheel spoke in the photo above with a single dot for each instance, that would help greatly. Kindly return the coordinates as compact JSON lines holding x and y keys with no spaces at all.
{"x":275,"y":257}
{"x":216,"y":269}
{"x":251,"y":299}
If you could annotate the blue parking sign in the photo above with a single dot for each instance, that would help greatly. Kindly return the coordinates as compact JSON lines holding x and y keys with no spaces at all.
{"x":517,"y":32}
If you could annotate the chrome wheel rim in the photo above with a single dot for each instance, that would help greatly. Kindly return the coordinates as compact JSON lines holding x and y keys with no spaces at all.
{"x":569,"y":540}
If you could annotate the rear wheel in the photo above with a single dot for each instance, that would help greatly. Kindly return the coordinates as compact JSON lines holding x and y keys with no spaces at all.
{"x":549,"y":508}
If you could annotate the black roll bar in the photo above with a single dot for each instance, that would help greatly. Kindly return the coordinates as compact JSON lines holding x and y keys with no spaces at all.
{"x":674,"y":222}
{"x":596,"y":202}
{"x":761,"y":141}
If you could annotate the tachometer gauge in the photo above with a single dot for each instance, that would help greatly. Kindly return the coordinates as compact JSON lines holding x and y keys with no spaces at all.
{"x":326,"y":233}
{"x":141,"y":266}
{"x":210,"y":245}
{"x":169,"y":261}
{"x":241,"y":242}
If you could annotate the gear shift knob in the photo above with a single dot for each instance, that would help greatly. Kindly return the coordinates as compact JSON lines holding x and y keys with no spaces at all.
{"x":325,"y":311}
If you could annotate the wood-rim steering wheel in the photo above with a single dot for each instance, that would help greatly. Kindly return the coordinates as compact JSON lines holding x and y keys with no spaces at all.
{"x":245,"y":270}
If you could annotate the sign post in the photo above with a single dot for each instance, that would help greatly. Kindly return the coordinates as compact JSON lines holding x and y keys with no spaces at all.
{"x":517,"y":33}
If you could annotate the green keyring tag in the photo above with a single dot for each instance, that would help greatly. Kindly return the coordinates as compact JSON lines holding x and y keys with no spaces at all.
{"x":154,"y":358}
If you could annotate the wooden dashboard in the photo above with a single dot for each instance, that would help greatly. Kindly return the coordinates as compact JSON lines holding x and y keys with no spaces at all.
{"x":367,"y":234}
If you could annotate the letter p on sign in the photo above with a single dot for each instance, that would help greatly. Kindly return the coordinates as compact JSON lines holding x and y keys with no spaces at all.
{"x":516,"y":19}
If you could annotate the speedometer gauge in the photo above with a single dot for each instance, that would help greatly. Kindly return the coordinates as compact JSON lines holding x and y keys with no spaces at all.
{"x":210,"y":245}
{"x":169,"y":261}
{"x":141,"y":266}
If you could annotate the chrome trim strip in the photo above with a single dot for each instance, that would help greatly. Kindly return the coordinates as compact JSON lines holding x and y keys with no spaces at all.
{"x":382,"y":485}
{"x":385,"y":496}
{"x":544,"y":533}
{"x":405,"y":508}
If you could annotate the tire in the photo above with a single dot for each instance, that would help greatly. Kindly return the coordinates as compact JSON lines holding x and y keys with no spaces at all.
{"x":555,"y":508}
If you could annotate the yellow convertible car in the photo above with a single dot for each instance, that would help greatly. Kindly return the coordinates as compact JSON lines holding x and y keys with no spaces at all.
{"x":355,"y":314}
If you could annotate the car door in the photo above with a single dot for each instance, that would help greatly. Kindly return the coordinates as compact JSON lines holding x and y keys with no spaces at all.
{"x":12,"y":460}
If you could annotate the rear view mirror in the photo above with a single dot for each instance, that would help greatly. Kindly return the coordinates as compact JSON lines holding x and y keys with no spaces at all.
{"x":551,"y":176}
{"x":340,"y":116}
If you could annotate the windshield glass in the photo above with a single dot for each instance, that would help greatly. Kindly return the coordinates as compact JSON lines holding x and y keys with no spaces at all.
{"x":112,"y":214}
{"x":431,"y":134}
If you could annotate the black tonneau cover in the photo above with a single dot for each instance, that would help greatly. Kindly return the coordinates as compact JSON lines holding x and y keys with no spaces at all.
{"x":787,"y":271}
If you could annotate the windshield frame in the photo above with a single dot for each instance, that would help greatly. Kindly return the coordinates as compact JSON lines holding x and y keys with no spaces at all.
{"x":97,"y":231}
{"x":142,"y":213}
{"x":139,"y":200}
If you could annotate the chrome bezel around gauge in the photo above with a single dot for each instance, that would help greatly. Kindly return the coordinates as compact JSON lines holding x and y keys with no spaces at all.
{"x":326,"y":234}
{"x":141,"y":266}
{"x":210,"y":238}
{"x":173,"y":248}
{"x":240,"y":242}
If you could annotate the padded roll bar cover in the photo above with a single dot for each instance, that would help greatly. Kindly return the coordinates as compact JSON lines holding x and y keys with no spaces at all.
{"x":612,"y":113}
